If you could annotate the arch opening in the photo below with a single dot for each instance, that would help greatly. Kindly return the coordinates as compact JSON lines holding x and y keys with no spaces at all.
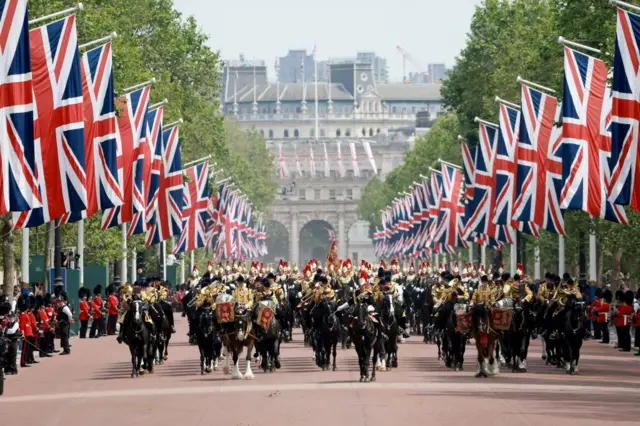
{"x":315,"y":241}
{"x":277,"y":242}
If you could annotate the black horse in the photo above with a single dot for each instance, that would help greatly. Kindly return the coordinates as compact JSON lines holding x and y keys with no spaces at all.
{"x":574,"y":329}
{"x":516,"y":339}
{"x":206,"y":337}
{"x":389,"y":311}
{"x":453,"y":342}
{"x":189,"y":311}
{"x":365,"y":338}
{"x":289,"y":315}
{"x":268,"y":339}
{"x":162,"y":332}
{"x":138,"y":339}
{"x":328,"y":329}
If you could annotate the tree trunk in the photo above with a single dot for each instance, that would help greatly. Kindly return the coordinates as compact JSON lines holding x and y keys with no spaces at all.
{"x":600,"y":266}
{"x":48,"y":249}
{"x":615,"y":268}
{"x":8,"y":253}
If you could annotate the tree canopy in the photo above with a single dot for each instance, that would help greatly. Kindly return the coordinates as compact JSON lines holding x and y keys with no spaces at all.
{"x":507,"y":39}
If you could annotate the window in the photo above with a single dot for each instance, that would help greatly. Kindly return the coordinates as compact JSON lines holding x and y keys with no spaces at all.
{"x":364,"y":132}
{"x":332,"y":194}
{"x":370,"y":132}
{"x":302,"y":194}
{"x":312,"y":133}
{"x":298,"y":110}
{"x":316,"y":194}
{"x":296,"y":133}
{"x":349,"y":195}
{"x":270,"y":133}
{"x":377,"y":131}
{"x":413,"y":109}
{"x":338,"y":133}
{"x":321,"y":133}
{"x":286,"y":133}
{"x":404,"y":110}
{"x":347,"y":132}
{"x":393,"y":109}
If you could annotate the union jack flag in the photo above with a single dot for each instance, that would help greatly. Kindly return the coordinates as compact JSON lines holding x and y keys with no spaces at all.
{"x":539,"y":175}
{"x":586,"y":146}
{"x":505,"y":171}
{"x":101,"y":157}
{"x":131,"y":132}
{"x":451,"y":218}
{"x":195,"y":214}
{"x":147,"y":173}
{"x":469,"y":171}
{"x":60,"y":154}
{"x":18,"y":182}
{"x":625,"y":177}
{"x":213,"y":224}
{"x":167,"y":205}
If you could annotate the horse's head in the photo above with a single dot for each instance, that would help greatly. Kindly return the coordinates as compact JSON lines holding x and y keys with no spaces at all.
{"x":136,"y":310}
{"x":240,"y":322}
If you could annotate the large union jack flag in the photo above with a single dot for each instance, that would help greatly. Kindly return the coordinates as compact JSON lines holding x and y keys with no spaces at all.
{"x":18,"y":182}
{"x":147,"y":173}
{"x":586,"y":145}
{"x":505,"y":171}
{"x":625,"y":177}
{"x":101,"y":157}
{"x":539,"y":176}
{"x":195,"y":213}
{"x":131,"y":132}
{"x":166,"y":207}
{"x":60,"y":155}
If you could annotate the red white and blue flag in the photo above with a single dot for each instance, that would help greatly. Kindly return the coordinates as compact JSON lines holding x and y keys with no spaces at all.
{"x":195,"y":214}
{"x":538,"y":155}
{"x":586,"y":145}
{"x":451,"y":218}
{"x":60,"y":153}
{"x":131,"y":132}
{"x":166,"y":207}
{"x":624,"y":188}
{"x":18,"y":183}
{"x":104,"y":189}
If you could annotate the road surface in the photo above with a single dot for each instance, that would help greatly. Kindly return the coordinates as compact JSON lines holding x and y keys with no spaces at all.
{"x":93,"y":387}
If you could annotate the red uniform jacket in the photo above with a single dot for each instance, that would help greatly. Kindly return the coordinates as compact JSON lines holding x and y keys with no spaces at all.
{"x":96,"y":306}
{"x":603,"y":311}
{"x":25,"y":325}
{"x":623,"y":315}
{"x":592,"y":309}
{"x":113,"y":305}
{"x":49,"y":310}
{"x":34,"y":324}
{"x":84,"y":310}
{"x":44,"y":319}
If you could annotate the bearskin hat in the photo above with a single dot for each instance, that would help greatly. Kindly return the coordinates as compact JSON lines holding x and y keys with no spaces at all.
{"x":39,"y":301}
{"x":266,"y":283}
{"x":607,"y":295}
{"x":97,"y":290}
{"x":619,"y":295}
{"x":23,"y":303}
{"x":380,"y":272}
{"x":63,"y":296}
{"x":599,"y":292}
{"x":57,"y":290}
{"x":48,"y":299}
{"x":5,"y":308}
{"x":629,"y":298}
{"x":566,"y":276}
{"x":32,"y":301}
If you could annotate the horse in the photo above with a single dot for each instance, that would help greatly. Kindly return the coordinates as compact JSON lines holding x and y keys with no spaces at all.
{"x":365,"y":337}
{"x":516,"y":339}
{"x":162,"y":332}
{"x":485,"y":338}
{"x":206,"y":337}
{"x":388,"y":318}
{"x":574,"y":329}
{"x":236,"y":335}
{"x":168,"y":312}
{"x":138,"y":339}
{"x":453,"y":341}
{"x":328,"y":330}
{"x":268,"y":337}
{"x":293,"y":297}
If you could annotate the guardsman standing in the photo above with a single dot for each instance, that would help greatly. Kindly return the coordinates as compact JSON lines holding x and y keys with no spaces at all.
{"x":25,"y":328}
{"x":34,"y":328}
{"x":603,"y":310}
{"x":112,"y":305}
{"x":84,"y":312}
{"x":96,"y":308}
{"x":43,"y":319}
{"x":593,"y":312}
{"x":623,"y":321}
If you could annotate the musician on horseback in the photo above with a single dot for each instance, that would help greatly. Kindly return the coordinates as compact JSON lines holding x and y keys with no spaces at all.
{"x":565,"y":288}
{"x":244,"y":296}
{"x":137,"y":294}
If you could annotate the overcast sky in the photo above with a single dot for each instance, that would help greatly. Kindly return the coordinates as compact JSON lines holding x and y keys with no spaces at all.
{"x":432,"y":31}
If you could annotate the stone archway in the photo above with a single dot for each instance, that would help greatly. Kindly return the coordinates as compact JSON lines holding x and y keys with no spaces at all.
{"x":277,"y":242}
{"x":315,"y":240}
{"x":359,"y":243}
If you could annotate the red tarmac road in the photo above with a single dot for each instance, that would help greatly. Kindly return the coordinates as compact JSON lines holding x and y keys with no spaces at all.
{"x":93,"y":387}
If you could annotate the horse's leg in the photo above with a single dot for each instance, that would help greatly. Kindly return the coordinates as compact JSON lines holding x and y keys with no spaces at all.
{"x":235,"y":373}
{"x":373,"y":370}
{"x":334,"y":350}
{"x":276,"y":351}
{"x":494,"y":366}
{"x":226,"y":363}
{"x":248,"y":374}
{"x":134,"y":371}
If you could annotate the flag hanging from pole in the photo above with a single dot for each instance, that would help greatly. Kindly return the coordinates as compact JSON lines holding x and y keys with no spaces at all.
{"x":60,"y":155}
{"x":327,"y":171}
{"x":369,"y":153}
{"x":354,"y":159}
{"x":341,"y":170}
{"x":195,"y":214}
{"x":18,"y":182}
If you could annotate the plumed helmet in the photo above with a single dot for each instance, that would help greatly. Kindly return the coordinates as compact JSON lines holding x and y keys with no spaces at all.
{"x":97,"y":290}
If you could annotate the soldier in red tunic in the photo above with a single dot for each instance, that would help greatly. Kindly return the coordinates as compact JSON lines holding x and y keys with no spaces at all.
{"x":43,"y":327}
{"x":623,"y":321}
{"x":25,"y":328}
{"x":593,"y":314}
{"x":96,"y":308}
{"x":112,"y":306}
{"x":34,"y":328}
{"x":51,"y":333}
{"x":603,"y":310}
{"x":83,"y":295}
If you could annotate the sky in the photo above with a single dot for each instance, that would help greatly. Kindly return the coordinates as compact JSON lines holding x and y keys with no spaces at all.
{"x":431,"y":31}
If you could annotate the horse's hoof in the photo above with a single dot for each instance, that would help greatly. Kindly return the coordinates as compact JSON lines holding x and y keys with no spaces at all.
{"x":277,"y":364}
{"x":366,"y":380}
{"x":361,"y":379}
{"x":166,"y":357}
{"x":202,"y":373}
{"x":373,"y":379}
{"x":133,"y":376}
{"x":335,"y":368}
{"x":456,"y":369}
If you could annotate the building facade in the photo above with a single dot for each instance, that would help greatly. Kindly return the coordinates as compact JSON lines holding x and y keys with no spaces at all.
{"x":322,"y":162}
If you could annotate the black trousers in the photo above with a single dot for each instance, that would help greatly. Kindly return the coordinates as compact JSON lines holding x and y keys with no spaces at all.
{"x":96,"y":328}
{"x":597,"y":332}
{"x":604,"y":328}
{"x":84,"y":325}
{"x":624,"y":337}
{"x":12,"y":355}
{"x":64,"y":338}
{"x":111,"y":324}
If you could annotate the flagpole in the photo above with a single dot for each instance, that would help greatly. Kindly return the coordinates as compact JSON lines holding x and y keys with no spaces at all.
{"x":25,"y":259}
{"x":192,"y":260}
{"x":69,"y":11}
{"x":134,"y":267}
{"x":80,"y":251}
{"x":99,"y":41}
{"x":483,"y":255}
{"x":593,"y":271}
{"x":561,"y":261}
{"x":138,"y":86}
{"x":315,"y":76}
{"x":174,"y":124}
{"x":513,"y":261}
{"x":163,"y":248}
{"x":123,"y":264}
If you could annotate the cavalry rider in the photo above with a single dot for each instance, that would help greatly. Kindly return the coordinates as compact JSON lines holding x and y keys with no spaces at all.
{"x":243,"y":295}
{"x":126,"y":294}
{"x":138,"y":294}
{"x":563,"y":289}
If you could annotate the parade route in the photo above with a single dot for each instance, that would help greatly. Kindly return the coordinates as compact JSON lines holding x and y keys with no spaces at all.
{"x":93,"y":385}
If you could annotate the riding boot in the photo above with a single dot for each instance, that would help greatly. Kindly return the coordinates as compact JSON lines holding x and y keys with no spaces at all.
{"x":123,"y":327}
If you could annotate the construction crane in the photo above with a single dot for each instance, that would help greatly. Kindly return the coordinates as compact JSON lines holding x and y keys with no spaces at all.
{"x":407,"y":57}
